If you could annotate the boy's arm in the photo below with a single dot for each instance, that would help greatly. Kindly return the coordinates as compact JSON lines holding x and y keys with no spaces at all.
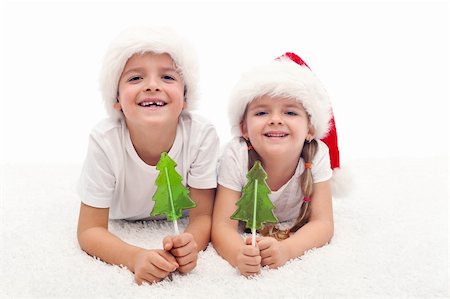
{"x":316,"y":233}
{"x":96,"y":240}
{"x":185,"y":247}
{"x":200,"y":217}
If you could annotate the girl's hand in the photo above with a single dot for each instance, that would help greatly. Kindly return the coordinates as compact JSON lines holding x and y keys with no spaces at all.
{"x":273,"y":253}
{"x":248,"y":260}
{"x":184,"y":248}
{"x":153,"y":266}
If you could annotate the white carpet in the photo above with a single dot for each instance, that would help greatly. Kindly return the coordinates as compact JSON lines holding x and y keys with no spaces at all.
{"x":391,"y":241}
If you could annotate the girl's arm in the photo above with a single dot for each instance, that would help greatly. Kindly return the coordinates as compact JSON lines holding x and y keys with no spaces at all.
{"x":320,"y":227}
{"x":225,"y":237}
{"x":316,"y":233}
{"x":96,"y":240}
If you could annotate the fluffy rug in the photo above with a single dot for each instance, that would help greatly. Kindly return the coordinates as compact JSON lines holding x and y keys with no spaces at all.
{"x":391,"y":241}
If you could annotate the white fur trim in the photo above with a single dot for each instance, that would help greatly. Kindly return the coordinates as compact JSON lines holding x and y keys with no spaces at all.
{"x":282,"y":78}
{"x":141,"y":40}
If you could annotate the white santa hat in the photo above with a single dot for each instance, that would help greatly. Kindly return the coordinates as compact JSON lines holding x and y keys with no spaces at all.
{"x":289,"y":76}
{"x":140,"y":40}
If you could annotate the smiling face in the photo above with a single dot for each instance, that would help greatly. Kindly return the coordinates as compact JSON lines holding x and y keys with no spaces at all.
{"x":276,"y":126}
{"x":150,"y":90}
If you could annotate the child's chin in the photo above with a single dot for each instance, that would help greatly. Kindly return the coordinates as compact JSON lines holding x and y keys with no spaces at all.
{"x":277,"y":150}
{"x":161,"y":119}
{"x":154,"y":119}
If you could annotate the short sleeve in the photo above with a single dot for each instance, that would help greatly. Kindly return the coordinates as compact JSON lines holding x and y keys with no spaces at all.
{"x":203,"y":170}
{"x":97,"y":181}
{"x":230,"y":167}
{"x":321,"y":170}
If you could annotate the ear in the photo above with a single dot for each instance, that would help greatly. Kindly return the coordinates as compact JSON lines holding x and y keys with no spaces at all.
{"x":311,"y":132}
{"x":117,"y":106}
{"x":244,"y":130}
{"x":184,"y":96}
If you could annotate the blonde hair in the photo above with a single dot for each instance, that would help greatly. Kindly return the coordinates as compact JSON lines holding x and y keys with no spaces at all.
{"x":306,"y":184}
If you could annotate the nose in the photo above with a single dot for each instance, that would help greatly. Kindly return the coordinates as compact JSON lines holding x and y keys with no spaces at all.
{"x":276,"y":119}
{"x":152,"y":84}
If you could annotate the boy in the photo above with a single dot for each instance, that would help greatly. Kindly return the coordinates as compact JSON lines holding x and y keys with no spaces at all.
{"x":148,"y":83}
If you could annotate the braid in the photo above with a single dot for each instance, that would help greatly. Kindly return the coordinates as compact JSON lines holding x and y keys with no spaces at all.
{"x":306,"y":183}
{"x":252,"y":154}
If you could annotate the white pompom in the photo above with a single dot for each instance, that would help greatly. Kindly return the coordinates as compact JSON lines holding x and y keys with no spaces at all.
{"x":341,"y":182}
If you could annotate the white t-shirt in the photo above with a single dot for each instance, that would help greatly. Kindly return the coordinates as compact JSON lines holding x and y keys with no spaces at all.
{"x":115,"y":177}
{"x":233,"y":168}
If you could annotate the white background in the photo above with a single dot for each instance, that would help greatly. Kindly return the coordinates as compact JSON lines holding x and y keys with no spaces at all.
{"x":385,"y":65}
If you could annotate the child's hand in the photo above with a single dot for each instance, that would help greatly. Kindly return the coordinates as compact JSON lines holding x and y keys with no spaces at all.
{"x":273,"y":253}
{"x":248,"y":260}
{"x":153,"y":266}
{"x":184,"y":248}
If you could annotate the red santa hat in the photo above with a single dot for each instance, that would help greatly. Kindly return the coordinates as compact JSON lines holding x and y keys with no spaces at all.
{"x":289,"y":76}
{"x":330,"y":139}
{"x":140,"y":40}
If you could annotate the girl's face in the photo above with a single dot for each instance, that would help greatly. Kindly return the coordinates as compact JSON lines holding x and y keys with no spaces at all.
{"x":150,"y":91}
{"x":276,"y":126}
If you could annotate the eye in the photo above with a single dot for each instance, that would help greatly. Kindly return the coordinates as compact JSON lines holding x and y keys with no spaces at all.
{"x":168,"y":77}
{"x":134,"y":78}
{"x":260,"y":113}
{"x":291,"y":113}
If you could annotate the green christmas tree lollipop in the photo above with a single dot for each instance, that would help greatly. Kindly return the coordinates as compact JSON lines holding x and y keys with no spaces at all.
{"x":171,"y":196}
{"x":254,"y":206}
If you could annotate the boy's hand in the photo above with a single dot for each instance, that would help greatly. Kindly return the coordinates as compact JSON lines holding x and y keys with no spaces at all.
{"x":184,"y":248}
{"x":249,"y":260}
{"x":273,"y":253}
{"x":153,"y":266}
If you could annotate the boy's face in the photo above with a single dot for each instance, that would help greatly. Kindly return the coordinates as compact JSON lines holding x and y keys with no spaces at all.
{"x":150,"y":90}
{"x":276,"y":126}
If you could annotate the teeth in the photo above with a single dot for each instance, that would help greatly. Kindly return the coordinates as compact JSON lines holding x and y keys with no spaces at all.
{"x":146,"y":104}
{"x":275,"y":134}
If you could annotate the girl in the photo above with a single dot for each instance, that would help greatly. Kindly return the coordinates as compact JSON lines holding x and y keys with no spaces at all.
{"x":278,"y":112}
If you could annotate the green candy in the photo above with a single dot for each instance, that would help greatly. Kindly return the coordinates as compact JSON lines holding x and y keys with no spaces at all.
{"x":254,"y":206}
{"x":171,"y":196}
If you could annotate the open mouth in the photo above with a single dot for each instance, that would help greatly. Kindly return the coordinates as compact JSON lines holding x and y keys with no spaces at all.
{"x":277,"y":134}
{"x":153,"y":103}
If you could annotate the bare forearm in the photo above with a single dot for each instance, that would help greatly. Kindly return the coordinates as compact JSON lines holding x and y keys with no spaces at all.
{"x":227,"y":242}
{"x":99,"y":242}
{"x":312,"y":235}
{"x":200,"y":228}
